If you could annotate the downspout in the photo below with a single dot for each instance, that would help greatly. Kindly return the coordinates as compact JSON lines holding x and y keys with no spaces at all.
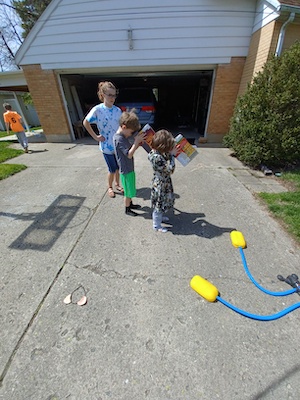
{"x":282,"y":34}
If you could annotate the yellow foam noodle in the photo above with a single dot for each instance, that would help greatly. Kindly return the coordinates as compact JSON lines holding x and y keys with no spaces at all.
{"x":203,"y":287}
{"x":237,"y":239}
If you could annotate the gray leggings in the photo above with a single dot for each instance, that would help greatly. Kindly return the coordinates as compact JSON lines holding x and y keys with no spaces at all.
{"x":22,"y":139}
{"x":157,"y":219}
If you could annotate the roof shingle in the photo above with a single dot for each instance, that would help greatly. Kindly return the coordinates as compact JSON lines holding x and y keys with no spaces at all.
{"x":295,"y":3}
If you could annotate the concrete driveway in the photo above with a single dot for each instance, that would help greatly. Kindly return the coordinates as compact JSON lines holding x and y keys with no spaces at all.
{"x":144,"y":333}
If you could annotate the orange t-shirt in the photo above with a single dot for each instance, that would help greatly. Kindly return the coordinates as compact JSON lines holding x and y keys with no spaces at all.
{"x":13,"y":118}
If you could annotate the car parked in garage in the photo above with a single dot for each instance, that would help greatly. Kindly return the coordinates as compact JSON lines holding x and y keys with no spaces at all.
{"x":142,"y":100}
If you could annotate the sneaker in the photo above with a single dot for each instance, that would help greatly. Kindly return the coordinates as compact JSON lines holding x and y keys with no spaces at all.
{"x":135,"y":206}
{"x":165,"y":219}
{"x":130,"y":212}
{"x":26,"y":149}
{"x":163,"y":230}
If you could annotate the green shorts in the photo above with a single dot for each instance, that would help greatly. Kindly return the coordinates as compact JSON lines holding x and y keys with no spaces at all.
{"x":128,"y":183}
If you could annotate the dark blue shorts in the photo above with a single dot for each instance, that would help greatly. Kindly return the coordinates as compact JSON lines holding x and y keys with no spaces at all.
{"x":111,"y":162}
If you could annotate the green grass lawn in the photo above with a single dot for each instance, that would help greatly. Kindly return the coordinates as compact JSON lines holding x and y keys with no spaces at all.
{"x":6,"y":153}
{"x":286,"y":206}
{"x":4,"y":133}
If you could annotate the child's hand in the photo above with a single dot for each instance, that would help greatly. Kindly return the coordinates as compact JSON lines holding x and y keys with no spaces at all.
{"x":174,"y":151}
{"x":100,"y":138}
{"x":140,"y":137}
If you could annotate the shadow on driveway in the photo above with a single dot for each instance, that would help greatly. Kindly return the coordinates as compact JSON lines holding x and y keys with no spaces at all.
{"x":49,"y":225}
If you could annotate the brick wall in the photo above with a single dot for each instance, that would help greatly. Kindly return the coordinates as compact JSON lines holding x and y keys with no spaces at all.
{"x":291,"y":35}
{"x":48,"y":102}
{"x":263,"y":44}
{"x":225,"y":90}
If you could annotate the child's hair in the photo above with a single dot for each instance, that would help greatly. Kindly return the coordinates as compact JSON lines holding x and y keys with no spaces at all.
{"x":163,"y":141}
{"x":130,"y":120}
{"x":102,"y":88}
{"x":7,"y":106}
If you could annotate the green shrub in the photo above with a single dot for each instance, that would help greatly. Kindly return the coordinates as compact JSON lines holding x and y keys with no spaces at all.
{"x":265,"y":127}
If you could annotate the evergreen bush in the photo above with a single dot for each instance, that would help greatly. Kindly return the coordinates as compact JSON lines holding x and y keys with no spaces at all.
{"x":265,"y":127}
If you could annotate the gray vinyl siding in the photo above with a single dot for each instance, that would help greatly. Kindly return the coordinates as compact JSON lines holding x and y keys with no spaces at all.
{"x":93,"y":34}
{"x":266,"y":13}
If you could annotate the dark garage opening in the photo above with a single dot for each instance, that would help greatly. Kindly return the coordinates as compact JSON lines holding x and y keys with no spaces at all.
{"x":182,"y":98}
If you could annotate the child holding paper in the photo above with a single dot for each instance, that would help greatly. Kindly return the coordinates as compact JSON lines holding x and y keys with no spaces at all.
{"x":162,"y":158}
{"x":124,"y":149}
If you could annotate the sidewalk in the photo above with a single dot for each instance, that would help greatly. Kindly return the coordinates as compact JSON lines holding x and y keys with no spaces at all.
{"x":144,"y":333}
{"x":36,"y":136}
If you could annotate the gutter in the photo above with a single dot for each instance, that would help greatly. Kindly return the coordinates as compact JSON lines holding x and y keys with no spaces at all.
{"x":282,"y":33}
{"x":285,"y":7}
{"x":293,"y":10}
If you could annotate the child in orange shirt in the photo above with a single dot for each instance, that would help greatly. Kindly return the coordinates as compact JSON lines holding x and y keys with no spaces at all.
{"x":14,"y":121}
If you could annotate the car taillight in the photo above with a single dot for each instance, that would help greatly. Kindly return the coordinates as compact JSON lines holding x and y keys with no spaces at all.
{"x":148,"y":109}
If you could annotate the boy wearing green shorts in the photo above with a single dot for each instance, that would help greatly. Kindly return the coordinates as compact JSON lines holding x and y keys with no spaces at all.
{"x":124,"y":150}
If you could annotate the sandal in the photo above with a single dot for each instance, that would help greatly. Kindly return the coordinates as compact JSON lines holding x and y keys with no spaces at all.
{"x":111,"y":193}
{"x":119,"y":189}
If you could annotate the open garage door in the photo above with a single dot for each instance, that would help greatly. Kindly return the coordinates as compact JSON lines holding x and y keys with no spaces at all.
{"x":182,"y":99}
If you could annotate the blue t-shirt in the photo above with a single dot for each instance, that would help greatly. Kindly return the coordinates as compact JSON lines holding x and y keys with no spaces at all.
{"x":107,"y":121}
